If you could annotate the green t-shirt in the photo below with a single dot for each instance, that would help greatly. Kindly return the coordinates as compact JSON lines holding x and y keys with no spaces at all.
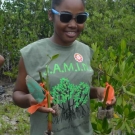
{"x":70,"y":78}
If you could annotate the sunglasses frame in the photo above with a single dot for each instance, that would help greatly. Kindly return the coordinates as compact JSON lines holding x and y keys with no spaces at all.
{"x":75,"y":17}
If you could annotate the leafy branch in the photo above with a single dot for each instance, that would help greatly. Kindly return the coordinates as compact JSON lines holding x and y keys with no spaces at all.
{"x":46,"y":87}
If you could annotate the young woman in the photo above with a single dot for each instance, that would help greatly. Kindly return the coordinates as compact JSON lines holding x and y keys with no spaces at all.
{"x":70,"y":74}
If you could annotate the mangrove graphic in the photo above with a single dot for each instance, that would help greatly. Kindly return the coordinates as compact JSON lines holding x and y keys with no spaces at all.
{"x":71,"y":99}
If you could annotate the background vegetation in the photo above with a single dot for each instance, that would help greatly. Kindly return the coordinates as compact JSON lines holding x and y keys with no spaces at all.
{"x":109,"y":30}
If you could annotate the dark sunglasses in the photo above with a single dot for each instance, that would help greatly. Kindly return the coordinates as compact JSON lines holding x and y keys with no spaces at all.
{"x":65,"y":17}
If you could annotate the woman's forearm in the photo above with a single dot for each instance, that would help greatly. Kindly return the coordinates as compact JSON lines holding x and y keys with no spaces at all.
{"x":21,"y":99}
{"x":96,"y":92}
{"x":93,"y":93}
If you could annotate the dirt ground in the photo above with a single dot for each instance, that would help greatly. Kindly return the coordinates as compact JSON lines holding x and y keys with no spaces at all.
{"x":8,"y":87}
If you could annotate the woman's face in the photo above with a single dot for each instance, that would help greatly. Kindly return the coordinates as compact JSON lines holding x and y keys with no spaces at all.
{"x":66,"y":33}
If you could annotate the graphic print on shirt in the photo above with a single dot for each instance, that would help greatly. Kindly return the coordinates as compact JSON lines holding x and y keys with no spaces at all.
{"x":77,"y":66}
{"x":78,"y":57}
{"x":71,"y":67}
{"x":71,"y":99}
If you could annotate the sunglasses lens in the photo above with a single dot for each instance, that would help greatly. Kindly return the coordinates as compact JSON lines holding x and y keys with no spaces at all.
{"x":65,"y":17}
{"x":81,"y":18}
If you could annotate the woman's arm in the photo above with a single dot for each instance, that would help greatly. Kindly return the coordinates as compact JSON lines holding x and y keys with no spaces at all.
{"x":21,"y":96}
{"x":98,"y":92}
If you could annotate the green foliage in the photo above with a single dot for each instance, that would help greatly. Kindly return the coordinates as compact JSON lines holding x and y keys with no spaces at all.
{"x":102,"y":127}
{"x":117,"y":68}
{"x":109,"y":30}
{"x":13,"y":120}
{"x":109,"y":22}
{"x":21,"y":22}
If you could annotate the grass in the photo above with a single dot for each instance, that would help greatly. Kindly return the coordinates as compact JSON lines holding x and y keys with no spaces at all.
{"x":13,"y":120}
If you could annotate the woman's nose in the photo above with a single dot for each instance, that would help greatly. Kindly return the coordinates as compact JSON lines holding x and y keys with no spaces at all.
{"x":72,"y":23}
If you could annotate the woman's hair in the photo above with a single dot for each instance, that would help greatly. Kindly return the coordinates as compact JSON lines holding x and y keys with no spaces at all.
{"x":58,"y":2}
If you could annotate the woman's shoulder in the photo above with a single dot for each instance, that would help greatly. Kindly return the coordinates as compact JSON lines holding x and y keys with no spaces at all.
{"x":81,"y":44}
{"x":84,"y":47}
{"x":35,"y":44}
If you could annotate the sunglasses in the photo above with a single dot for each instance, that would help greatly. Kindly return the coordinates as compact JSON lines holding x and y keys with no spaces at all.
{"x":65,"y":17}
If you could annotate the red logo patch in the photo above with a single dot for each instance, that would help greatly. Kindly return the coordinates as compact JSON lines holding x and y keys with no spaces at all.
{"x":78,"y":57}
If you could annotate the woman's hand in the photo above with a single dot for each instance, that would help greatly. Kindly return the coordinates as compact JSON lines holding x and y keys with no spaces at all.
{"x":42,"y":109}
{"x":100,"y":96}
{"x":98,"y":92}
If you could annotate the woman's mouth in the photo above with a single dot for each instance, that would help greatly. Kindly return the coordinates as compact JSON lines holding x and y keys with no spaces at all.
{"x":71,"y":34}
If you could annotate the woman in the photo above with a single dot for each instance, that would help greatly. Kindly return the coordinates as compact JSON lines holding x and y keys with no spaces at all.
{"x":70,"y":74}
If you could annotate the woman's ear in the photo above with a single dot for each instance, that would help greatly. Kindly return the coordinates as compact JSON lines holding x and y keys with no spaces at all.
{"x":50,"y":15}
